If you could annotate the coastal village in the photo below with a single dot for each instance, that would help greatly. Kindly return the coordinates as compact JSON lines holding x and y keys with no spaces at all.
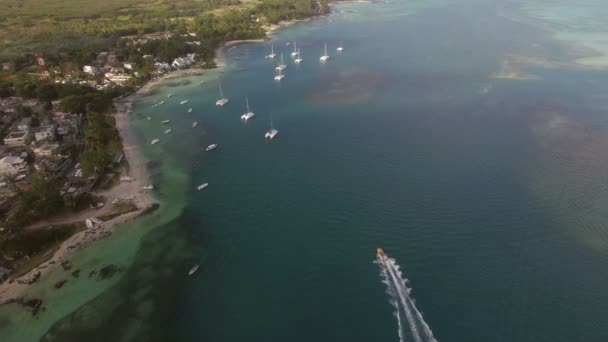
{"x":43,"y":139}
{"x":67,"y":173}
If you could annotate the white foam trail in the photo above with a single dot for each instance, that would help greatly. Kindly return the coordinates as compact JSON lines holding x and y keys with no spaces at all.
{"x":428,"y":334}
{"x":402,"y":294}
{"x":408,"y":303}
{"x":390,"y":289}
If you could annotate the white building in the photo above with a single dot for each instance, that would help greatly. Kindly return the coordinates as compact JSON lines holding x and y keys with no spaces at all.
{"x":10,"y":166}
{"x":179,"y":63}
{"x":45,"y":150}
{"x":16,"y":138}
{"x":117,"y":78}
{"x":91,"y":70}
{"x":162,"y":67}
{"x":45,"y":133}
{"x":183,"y":62}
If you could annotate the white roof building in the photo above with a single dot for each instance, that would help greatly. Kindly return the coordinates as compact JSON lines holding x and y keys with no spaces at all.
{"x":10,"y":166}
{"x":16,"y":138}
{"x":45,"y":133}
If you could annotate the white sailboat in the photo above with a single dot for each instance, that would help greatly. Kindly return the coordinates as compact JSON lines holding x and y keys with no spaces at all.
{"x":294,"y":54}
{"x":164,"y":122}
{"x":272,"y":132}
{"x":325,"y":56}
{"x":168,"y":131}
{"x":183,"y":102}
{"x":154,"y":141}
{"x":190,"y":110}
{"x":249,"y":114}
{"x":340,"y":47}
{"x":194,"y":124}
{"x":221,"y":101}
{"x":202,"y":186}
{"x":279,"y":76}
{"x":211,"y":147}
{"x":272,"y":55}
{"x":299,"y":59}
{"x":281,"y":66}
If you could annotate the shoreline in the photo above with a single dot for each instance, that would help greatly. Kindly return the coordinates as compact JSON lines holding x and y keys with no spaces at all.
{"x":144,"y":200}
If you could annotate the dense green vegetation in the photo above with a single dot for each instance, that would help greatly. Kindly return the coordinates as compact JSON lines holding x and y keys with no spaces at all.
{"x":42,"y":200}
{"x":71,"y":32}
{"x":33,"y":244}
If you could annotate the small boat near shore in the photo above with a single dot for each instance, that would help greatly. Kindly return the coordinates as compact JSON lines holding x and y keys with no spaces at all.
{"x":202,"y":186}
{"x":211,"y":147}
{"x":193,"y":270}
{"x":183,"y":102}
{"x":190,"y":110}
{"x":155,"y":141}
{"x":167,"y":131}
{"x":148,"y":187}
{"x":194,"y":124}
{"x":165,"y":122}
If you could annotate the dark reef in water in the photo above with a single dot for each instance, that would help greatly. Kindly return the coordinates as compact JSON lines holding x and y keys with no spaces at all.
{"x":138,"y":308}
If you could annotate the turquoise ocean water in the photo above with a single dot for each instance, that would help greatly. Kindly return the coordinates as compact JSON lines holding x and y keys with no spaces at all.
{"x":490,"y":193}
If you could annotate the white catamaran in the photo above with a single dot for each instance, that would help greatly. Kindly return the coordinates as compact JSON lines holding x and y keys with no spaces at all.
{"x":272,"y":132}
{"x":279,"y":75}
{"x":325,"y":56}
{"x":299,"y":59}
{"x":295,"y":53}
{"x":272,"y":55}
{"x":221,"y":101}
{"x":249,"y":114}
{"x":281,"y":66}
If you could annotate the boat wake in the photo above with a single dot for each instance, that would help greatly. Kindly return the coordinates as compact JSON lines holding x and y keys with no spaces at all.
{"x":417,"y":329}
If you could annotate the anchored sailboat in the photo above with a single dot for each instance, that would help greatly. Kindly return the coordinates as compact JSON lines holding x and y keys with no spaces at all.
{"x":272,"y":132}
{"x":325,"y":56}
{"x":272,"y":55}
{"x":279,"y":75}
{"x":249,"y":114}
{"x":221,"y":101}
{"x":299,"y":59}
{"x":295,"y":50}
{"x":281,"y":66}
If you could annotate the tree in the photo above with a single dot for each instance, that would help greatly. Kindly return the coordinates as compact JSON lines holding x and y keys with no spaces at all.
{"x":74,"y":104}
{"x":42,"y":200}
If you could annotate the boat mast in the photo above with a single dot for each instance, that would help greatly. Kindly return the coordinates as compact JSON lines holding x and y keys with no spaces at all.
{"x":247,"y":100}
{"x":325,"y":49}
{"x":221,"y":92}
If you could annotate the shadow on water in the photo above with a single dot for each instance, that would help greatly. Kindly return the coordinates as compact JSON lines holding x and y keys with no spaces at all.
{"x":139,"y":308}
